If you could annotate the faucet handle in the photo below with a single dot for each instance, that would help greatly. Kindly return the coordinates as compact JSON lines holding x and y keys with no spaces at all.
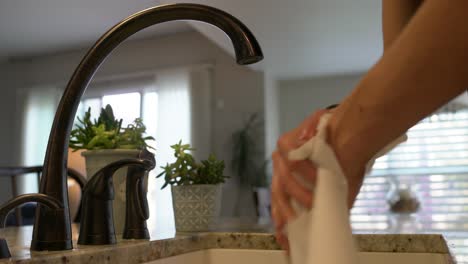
{"x":46,"y":200}
{"x":97,"y":219}
{"x":139,"y":173}
{"x":136,"y":209}
{"x":101,"y":185}
{"x":145,"y":154}
{"x":142,"y":201}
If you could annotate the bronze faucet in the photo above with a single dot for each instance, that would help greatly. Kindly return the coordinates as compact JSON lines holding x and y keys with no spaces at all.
{"x":52,"y":230}
{"x":39,"y":198}
{"x":98,"y":217}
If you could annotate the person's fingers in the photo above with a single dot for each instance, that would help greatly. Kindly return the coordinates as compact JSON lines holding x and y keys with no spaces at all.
{"x":309,"y":125}
{"x":276,"y":214}
{"x":283,"y":210}
{"x":291,"y":184}
{"x":284,"y":185}
{"x":279,"y":234}
{"x":282,"y":239}
{"x":306,"y":168}
{"x":286,"y":143}
{"x":280,"y":197}
{"x":296,"y":137}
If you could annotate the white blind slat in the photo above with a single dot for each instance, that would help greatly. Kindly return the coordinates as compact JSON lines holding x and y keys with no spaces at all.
{"x":434,"y":162}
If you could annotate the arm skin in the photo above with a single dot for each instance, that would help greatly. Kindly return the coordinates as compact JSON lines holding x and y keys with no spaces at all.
{"x":395,"y":16}
{"x":424,"y":68}
{"x":425,"y":65}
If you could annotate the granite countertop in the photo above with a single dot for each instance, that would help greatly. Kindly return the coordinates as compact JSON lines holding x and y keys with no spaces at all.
{"x":165,"y":244}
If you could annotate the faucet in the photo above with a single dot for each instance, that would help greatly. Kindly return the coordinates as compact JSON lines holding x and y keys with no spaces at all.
{"x":12,"y":171}
{"x":136,"y":208}
{"x":81,"y":180}
{"x":97,"y":219}
{"x":53,"y":182}
{"x":46,"y":200}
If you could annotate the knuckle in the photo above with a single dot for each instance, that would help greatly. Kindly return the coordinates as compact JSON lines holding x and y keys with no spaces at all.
{"x":283,"y":143}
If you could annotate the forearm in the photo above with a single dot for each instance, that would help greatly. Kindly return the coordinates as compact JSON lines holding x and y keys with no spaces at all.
{"x":395,"y":15}
{"x":425,"y":67}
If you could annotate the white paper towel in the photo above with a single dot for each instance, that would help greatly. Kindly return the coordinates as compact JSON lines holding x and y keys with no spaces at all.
{"x":323,"y":234}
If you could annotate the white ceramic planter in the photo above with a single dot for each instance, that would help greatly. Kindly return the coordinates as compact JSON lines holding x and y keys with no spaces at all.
{"x":196,"y":207}
{"x":97,"y":159}
{"x":263,"y":197}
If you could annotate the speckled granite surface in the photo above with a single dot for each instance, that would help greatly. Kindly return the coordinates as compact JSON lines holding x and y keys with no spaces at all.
{"x":138,"y":251}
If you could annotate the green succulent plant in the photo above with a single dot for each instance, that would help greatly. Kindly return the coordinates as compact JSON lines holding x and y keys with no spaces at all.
{"x":107,"y":133}
{"x":211,"y":171}
{"x":186,"y":171}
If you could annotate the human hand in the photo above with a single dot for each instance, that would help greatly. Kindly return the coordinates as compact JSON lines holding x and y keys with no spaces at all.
{"x":284,"y":185}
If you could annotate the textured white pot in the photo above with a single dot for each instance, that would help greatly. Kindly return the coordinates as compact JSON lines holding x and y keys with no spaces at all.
{"x":196,"y":207}
{"x":263,"y":197}
{"x":97,"y":159}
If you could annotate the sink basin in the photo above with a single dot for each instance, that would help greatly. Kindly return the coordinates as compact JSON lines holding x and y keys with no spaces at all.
{"x":248,"y":256}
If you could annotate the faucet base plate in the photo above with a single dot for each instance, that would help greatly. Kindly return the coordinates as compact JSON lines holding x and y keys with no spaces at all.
{"x":107,"y":239}
{"x":136,"y":234}
{"x":51,"y":245}
{"x":4,"y":251}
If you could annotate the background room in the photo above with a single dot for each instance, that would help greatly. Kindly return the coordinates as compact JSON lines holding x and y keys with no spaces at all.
{"x":182,"y":79}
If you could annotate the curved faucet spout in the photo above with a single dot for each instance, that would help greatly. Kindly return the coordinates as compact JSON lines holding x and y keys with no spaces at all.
{"x":46,"y":200}
{"x":53,"y":182}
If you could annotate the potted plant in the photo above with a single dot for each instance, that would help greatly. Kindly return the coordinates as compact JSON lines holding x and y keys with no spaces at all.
{"x":261,"y":192}
{"x":196,"y":189}
{"x":245,"y":150}
{"x":249,"y":164}
{"x":104,"y":140}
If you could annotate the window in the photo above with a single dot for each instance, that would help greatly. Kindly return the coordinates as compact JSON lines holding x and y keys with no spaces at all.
{"x":159,"y":102}
{"x":39,"y":106}
{"x":125,"y":105}
{"x":167,"y":100}
{"x":434,"y":163}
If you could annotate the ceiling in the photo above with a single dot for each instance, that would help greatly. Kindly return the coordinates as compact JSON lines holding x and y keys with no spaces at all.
{"x":299,"y":37}
{"x":38,"y":27}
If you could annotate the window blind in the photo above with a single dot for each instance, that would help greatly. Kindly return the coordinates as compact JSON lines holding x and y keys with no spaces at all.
{"x":434,"y":164}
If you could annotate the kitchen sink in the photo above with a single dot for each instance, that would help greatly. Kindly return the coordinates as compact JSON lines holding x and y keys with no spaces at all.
{"x":248,"y":256}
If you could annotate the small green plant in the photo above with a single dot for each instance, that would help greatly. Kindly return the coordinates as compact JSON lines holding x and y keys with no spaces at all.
{"x":186,"y":171}
{"x":183,"y":170}
{"x":211,"y":171}
{"x":107,"y":133}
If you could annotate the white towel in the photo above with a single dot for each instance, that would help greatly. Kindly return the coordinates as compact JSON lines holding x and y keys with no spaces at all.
{"x":323,"y":234}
